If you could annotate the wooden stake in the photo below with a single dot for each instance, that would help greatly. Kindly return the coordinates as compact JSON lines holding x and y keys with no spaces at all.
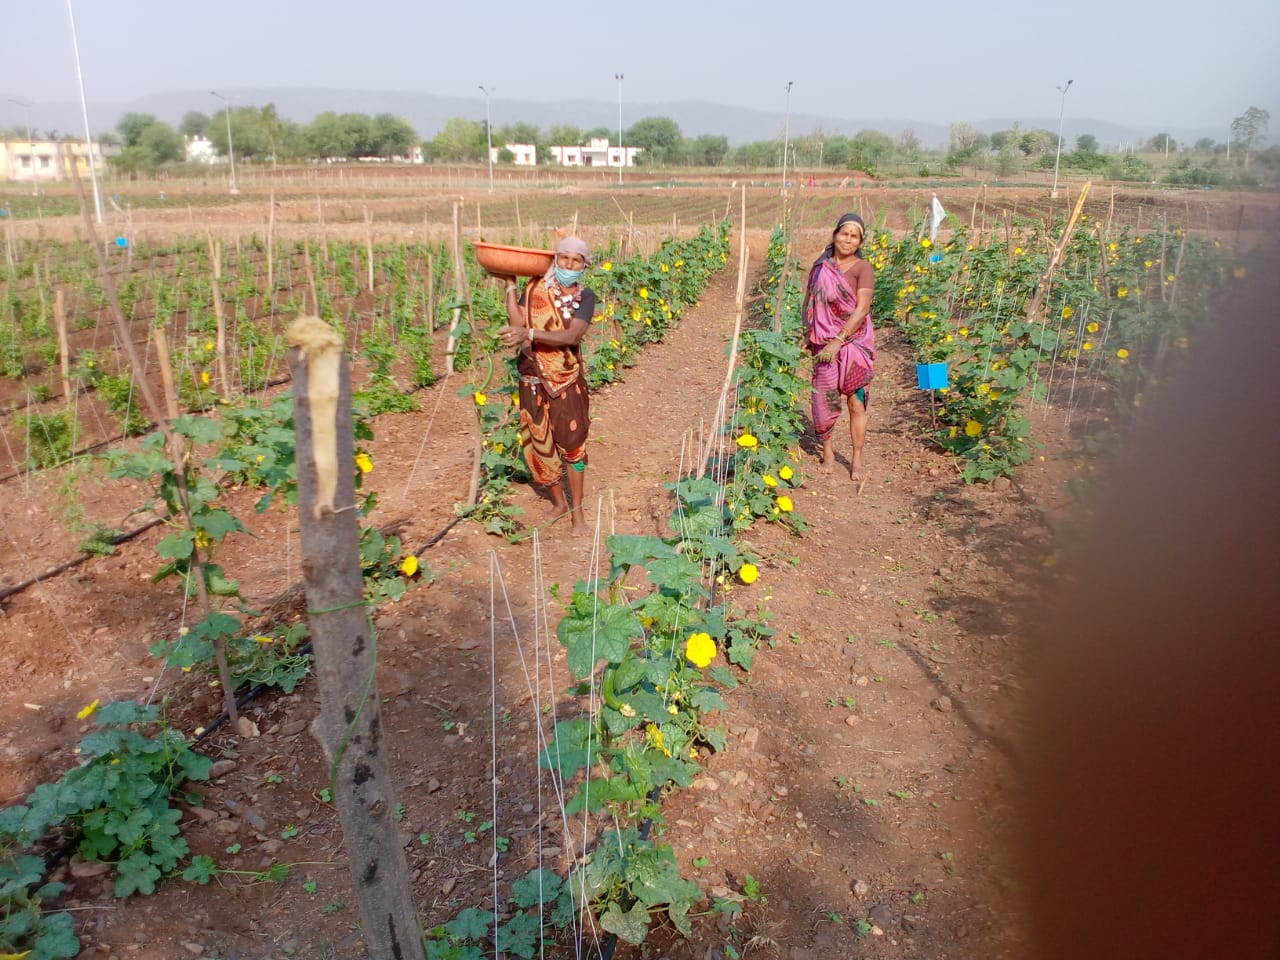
{"x":64,"y":352}
{"x":368,"y":243}
{"x":311,"y":277}
{"x":721,"y":411}
{"x":431,"y":293}
{"x":271,"y":260}
{"x":220,"y":343}
{"x":350,"y":725}
{"x":166,"y":371}
{"x":459,"y":283}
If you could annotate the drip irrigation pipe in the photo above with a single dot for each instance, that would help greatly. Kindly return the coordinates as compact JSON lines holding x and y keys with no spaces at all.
{"x":63,"y":567}
{"x":148,"y":428}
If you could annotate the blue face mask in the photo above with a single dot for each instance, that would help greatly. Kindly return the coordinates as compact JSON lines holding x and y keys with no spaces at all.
{"x":567,"y":278}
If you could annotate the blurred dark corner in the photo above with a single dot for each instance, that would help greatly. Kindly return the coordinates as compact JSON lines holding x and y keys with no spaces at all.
{"x":1153,"y":802}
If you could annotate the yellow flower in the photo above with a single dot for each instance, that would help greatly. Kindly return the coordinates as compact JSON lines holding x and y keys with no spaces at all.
{"x":679,"y":263}
{"x":964,"y":331}
{"x":748,"y":442}
{"x":786,"y":473}
{"x":364,"y":462}
{"x":607,"y":265}
{"x":480,"y":398}
{"x":1148,"y":264}
{"x":409,"y":565}
{"x":515,"y":400}
{"x":1087,"y":345}
{"x":984,"y":388}
{"x":89,"y":711}
{"x":1122,"y":292}
{"x":664,"y":268}
{"x":785,"y":504}
{"x":263,"y":638}
{"x":1068,"y":312}
{"x":202,"y":539}
{"x":926,"y":242}
{"x":1092,"y":328}
{"x":770,"y":481}
{"x":208,"y":345}
{"x":700,"y":649}
{"x":972,"y":429}
{"x":627,"y":710}
{"x":672,"y":709}
{"x":654,"y":736}
{"x":644,"y":293}
{"x":748,"y":573}
{"x":1122,"y":353}
{"x":1017,"y":251}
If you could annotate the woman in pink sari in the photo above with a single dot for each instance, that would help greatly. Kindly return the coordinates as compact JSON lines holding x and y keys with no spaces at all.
{"x":838,"y":332}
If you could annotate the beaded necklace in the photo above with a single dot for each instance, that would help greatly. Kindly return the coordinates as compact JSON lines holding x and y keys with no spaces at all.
{"x":566,"y":302}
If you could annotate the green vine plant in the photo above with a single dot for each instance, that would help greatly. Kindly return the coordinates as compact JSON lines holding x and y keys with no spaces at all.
{"x":1017,"y":326}
{"x":649,"y":635}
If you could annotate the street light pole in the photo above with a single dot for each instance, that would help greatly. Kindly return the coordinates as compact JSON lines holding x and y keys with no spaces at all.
{"x":31,"y":146}
{"x":1053,"y":194}
{"x":786,"y":135}
{"x":488,"y":131}
{"x":84,"y":110}
{"x":231,"y":150}
{"x":622,"y":151}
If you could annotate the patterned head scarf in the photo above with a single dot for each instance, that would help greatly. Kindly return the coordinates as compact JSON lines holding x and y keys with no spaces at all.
{"x":569,"y":245}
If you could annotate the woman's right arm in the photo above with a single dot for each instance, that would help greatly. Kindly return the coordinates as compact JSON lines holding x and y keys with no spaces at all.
{"x":515,"y":312}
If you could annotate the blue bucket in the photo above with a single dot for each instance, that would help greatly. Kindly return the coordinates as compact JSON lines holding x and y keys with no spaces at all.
{"x":931,"y":376}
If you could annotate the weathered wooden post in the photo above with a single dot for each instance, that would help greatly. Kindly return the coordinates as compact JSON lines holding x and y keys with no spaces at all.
{"x":343,"y":641}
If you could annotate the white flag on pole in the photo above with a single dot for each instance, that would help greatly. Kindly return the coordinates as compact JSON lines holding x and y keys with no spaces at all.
{"x":938,"y":215}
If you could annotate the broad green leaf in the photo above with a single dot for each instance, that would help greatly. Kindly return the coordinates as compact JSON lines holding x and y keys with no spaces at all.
{"x":535,"y":887}
{"x":606,"y":637}
{"x":177,"y":546}
{"x":631,"y":926}
{"x":470,"y":924}
{"x":135,"y":874}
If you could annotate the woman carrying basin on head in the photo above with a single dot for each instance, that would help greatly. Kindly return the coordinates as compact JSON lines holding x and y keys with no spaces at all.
{"x":548,"y":319}
{"x":839,"y":334}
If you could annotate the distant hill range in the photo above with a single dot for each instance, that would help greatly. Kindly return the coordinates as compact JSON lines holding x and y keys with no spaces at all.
{"x":428,"y":114}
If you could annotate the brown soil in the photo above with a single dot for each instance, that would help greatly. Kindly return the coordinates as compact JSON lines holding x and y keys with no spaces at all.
{"x":871,"y":771}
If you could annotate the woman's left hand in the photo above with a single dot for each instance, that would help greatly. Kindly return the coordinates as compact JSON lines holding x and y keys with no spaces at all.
{"x":828,"y":353}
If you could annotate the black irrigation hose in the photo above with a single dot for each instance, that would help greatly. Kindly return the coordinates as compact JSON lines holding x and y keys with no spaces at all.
{"x":63,"y":567}
{"x":147,"y":428}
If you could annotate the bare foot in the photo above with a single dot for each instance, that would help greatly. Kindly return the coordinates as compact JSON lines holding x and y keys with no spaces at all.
{"x":859,"y":477}
{"x":580,"y":528}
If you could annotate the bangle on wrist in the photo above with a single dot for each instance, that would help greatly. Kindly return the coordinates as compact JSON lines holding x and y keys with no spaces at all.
{"x":531,"y":334}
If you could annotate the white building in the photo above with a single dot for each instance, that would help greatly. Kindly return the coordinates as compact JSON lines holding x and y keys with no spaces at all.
{"x":200,"y":150}
{"x":597,"y":153}
{"x":39,"y":161}
{"x":524,"y":154}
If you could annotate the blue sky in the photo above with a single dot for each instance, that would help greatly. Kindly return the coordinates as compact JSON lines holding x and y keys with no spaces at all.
{"x":1173,"y":64}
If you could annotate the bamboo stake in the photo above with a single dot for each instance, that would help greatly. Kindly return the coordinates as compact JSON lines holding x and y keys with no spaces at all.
{"x":166,"y":371}
{"x":459,"y":282}
{"x":1042,"y":288}
{"x":64,"y":353}
{"x":431,"y":294}
{"x":271,"y":261}
{"x":324,"y":233}
{"x":174,"y":446}
{"x":368,"y":243}
{"x":311,"y":277}
{"x":743,"y":259}
{"x":220,"y":343}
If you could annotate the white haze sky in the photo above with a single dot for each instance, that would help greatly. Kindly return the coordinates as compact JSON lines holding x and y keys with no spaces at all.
{"x":1175,"y":63}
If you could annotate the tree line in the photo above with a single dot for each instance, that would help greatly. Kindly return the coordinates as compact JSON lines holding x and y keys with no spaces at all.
{"x":261,"y":134}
